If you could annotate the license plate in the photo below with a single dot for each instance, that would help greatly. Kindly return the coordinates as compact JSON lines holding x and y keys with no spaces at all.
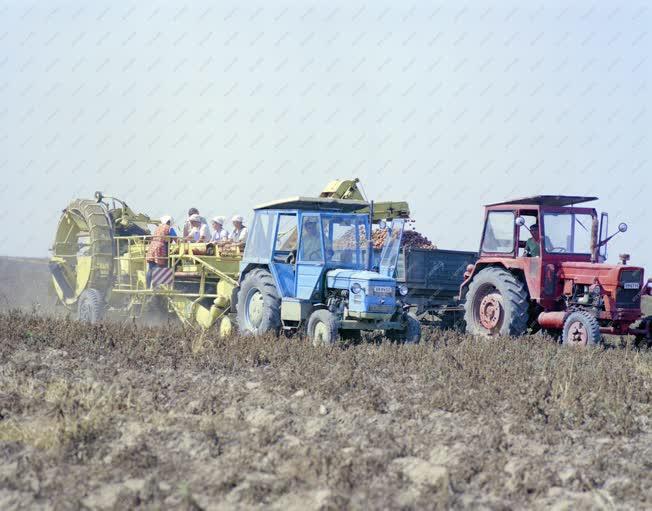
{"x":631,"y":285}
{"x":383,"y":290}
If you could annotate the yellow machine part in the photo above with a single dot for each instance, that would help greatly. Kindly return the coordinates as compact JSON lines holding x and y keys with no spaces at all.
{"x":82,"y":252}
{"x":348,"y":189}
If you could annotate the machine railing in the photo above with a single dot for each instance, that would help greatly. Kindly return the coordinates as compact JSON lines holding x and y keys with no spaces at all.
{"x":131,"y":258}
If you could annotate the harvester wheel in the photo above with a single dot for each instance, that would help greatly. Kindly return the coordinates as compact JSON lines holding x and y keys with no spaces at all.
{"x":82,"y":251}
{"x":496,"y":304}
{"x":259,"y":304}
{"x":322,"y":328}
{"x":90,"y":306}
{"x":581,"y":329}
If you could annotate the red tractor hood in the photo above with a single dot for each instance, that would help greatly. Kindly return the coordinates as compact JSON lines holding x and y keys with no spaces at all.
{"x":586,"y":272}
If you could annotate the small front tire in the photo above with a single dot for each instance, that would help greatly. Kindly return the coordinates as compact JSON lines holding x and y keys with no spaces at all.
{"x":323,"y":328}
{"x":581,"y":329}
{"x":90,"y":307}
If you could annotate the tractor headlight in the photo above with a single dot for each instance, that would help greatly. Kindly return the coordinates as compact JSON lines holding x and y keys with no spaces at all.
{"x":356,"y":288}
{"x":403,"y":290}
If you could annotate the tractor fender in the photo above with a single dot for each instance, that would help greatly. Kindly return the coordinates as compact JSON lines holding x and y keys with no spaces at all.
{"x":248,"y":268}
{"x":478,"y":267}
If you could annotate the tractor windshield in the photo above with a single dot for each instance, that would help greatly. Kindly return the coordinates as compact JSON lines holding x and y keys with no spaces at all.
{"x":567,"y":233}
{"x":345,"y":239}
{"x":390,"y":253}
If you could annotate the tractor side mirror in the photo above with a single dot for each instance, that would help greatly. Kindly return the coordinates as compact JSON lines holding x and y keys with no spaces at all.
{"x":622,"y":227}
{"x":520,"y":221}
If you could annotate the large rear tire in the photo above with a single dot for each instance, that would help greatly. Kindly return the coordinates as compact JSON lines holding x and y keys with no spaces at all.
{"x":259,"y":304}
{"x":90,"y":306}
{"x":581,"y":329}
{"x":496,"y":304}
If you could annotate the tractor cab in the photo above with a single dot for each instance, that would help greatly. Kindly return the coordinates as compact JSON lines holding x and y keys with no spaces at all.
{"x":540,"y":259}
{"x":310,"y":258}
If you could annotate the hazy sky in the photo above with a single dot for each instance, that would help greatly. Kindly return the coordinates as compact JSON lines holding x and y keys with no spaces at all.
{"x":225,"y":105}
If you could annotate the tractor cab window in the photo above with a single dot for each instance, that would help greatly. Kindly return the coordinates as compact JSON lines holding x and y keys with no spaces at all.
{"x":259,"y":242}
{"x":310,"y":249}
{"x":344,"y":239}
{"x":528,"y":236}
{"x":567,"y":233}
{"x":498,"y":234}
{"x":287,"y":235}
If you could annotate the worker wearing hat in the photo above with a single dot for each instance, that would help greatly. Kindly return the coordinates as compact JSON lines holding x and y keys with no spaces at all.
{"x":157,"y":250}
{"x":219,"y":232}
{"x":239,"y":234}
{"x":199,"y":232}
{"x":187,"y":227}
{"x":532,"y":248}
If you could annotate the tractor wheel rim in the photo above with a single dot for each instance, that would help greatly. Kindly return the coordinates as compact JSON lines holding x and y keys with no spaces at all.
{"x":490,"y":311}
{"x":321,"y":332}
{"x":578,"y":334}
{"x":255,"y":309}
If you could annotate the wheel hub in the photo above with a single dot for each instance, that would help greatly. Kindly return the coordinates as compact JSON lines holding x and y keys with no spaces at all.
{"x":255,"y":308}
{"x":577,"y":334}
{"x":321,"y":332}
{"x":491,"y":311}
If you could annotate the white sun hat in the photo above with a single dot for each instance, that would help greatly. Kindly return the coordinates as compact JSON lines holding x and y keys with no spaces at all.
{"x":219,"y":220}
{"x":237,"y":218}
{"x":166,"y":218}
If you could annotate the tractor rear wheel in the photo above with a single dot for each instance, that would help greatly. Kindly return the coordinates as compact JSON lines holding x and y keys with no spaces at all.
{"x":259,"y":304}
{"x":323,"y":328}
{"x":496,"y":304}
{"x":90,"y":306}
{"x":581,"y":329}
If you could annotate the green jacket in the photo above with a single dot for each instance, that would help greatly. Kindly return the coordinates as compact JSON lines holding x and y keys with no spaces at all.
{"x":532,"y":248}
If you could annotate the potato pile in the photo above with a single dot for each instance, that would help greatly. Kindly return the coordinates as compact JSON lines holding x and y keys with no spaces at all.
{"x":411,"y":238}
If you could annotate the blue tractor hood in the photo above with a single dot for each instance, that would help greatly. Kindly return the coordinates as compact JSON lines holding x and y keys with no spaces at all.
{"x":342,"y":279}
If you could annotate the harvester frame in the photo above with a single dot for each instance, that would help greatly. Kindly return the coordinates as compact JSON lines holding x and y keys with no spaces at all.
{"x":99,"y":266}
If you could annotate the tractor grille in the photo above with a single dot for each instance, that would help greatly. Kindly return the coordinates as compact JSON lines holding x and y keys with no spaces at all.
{"x":628,"y":295}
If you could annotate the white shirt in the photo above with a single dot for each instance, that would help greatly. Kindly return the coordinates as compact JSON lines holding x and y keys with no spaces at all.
{"x":187,"y":226}
{"x":198,"y":232}
{"x":239,"y":236}
{"x":222,"y":235}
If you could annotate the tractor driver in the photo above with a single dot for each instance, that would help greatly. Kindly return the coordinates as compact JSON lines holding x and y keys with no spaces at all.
{"x":310,"y":242}
{"x":532,"y":248}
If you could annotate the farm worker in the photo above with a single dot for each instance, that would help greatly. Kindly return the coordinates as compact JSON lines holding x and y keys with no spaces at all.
{"x":239,"y":234}
{"x":532,"y":245}
{"x":157,"y":251}
{"x":187,"y":227}
{"x":199,"y":232}
{"x":219,"y":232}
{"x":310,"y":242}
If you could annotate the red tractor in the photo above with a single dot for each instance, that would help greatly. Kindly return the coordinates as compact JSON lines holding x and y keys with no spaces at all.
{"x":541,"y":267}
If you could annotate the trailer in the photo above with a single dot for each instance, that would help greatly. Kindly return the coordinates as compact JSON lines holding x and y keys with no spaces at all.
{"x":433,"y":280}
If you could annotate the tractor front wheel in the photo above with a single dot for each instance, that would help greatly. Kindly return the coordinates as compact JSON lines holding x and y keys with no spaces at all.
{"x":90,"y":306}
{"x":323,"y":328}
{"x":581,"y":329}
{"x":259,"y":304}
{"x":496,"y":304}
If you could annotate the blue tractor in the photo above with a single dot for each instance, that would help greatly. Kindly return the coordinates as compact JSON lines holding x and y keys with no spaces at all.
{"x":309,"y":266}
